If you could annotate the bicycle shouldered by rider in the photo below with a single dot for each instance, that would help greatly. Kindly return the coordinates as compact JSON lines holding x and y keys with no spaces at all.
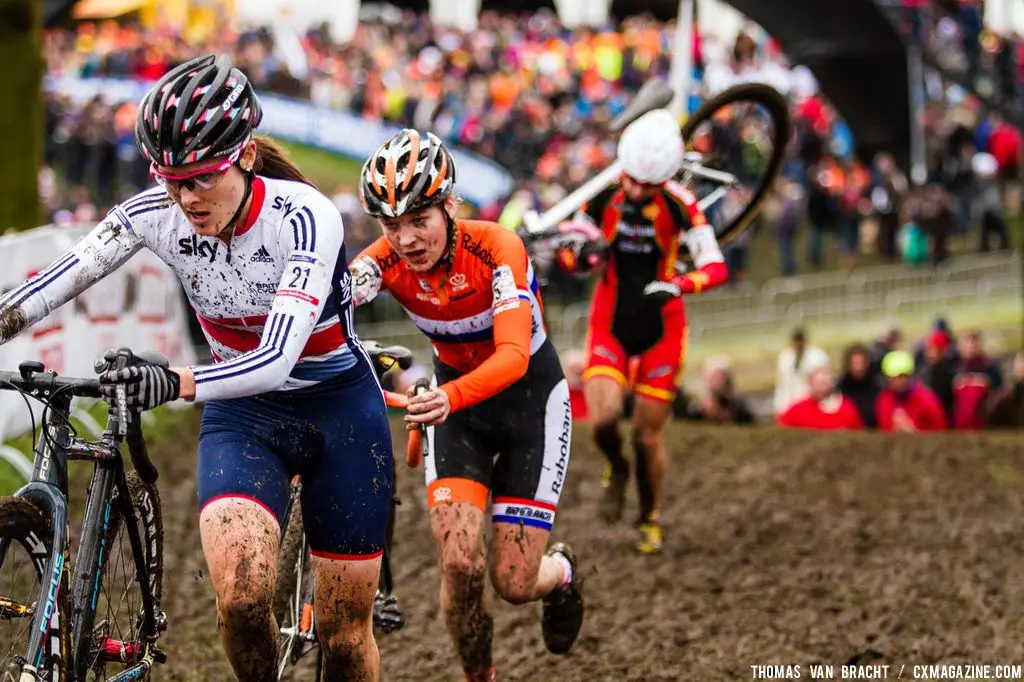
{"x":631,"y":236}
{"x":498,"y":390}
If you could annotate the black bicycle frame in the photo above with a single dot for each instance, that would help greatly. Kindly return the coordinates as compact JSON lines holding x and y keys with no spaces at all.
{"x":108,"y":473}
{"x":48,"y":490}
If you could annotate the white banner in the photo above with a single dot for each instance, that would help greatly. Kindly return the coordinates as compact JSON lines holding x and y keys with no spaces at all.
{"x":480,"y":180}
{"x":139,"y":306}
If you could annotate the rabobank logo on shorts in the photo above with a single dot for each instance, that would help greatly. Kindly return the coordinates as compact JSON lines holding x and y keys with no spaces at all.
{"x":564,"y":443}
{"x":524,"y":512}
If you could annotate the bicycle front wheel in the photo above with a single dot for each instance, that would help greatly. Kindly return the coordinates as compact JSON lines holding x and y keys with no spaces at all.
{"x":741,"y":133}
{"x":127,"y":621}
{"x":26,"y":539}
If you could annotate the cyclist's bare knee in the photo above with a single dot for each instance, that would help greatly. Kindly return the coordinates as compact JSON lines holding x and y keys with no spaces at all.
{"x":344,"y":592}
{"x":240,"y":541}
{"x":516,"y":555}
{"x":649,"y":420}
{"x":458,"y":528}
{"x":604,"y":400}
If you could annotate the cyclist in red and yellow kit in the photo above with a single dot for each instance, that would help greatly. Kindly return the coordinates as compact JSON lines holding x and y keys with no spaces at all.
{"x":638,"y":311}
{"x":498,"y":390}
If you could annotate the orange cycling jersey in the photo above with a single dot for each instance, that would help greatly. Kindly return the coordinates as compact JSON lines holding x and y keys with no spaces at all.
{"x":483,"y":314}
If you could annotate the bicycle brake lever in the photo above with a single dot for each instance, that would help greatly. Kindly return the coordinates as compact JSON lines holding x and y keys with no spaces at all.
{"x":122,"y":360}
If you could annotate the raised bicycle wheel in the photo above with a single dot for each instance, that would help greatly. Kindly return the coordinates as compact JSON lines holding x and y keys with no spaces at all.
{"x":736,"y":145}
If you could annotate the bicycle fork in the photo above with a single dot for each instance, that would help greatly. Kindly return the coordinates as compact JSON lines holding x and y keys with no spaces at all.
{"x":45,"y":628}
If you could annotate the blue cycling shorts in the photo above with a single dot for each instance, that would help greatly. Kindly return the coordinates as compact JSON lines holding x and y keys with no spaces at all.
{"x":335,"y":435}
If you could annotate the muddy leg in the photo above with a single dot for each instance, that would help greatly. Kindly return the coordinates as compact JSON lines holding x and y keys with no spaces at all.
{"x":344,"y":592}
{"x":240,"y":540}
{"x":520,"y":572}
{"x":459,"y":529}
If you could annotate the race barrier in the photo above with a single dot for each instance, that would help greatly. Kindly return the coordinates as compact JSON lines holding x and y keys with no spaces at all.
{"x":481,"y":181}
{"x":140,"y":305}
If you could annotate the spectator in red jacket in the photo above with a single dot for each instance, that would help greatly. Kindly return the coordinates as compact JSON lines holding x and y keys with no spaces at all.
{"x":1005,"y":145}
{"x":905,"y":404}
{"x":977,"y":377}
{"x":825,"y":408}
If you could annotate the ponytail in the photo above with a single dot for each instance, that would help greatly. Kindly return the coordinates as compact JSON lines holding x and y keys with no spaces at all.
{"x":273,"y":162}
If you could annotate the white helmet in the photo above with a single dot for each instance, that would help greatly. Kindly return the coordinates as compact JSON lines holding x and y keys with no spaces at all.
{"x":651,"y":147}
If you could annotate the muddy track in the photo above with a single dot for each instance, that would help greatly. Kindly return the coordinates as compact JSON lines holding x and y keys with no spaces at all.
{"x":781,"y":548}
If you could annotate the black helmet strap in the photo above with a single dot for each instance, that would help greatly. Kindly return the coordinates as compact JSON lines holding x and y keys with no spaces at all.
{"x":249,"y":175}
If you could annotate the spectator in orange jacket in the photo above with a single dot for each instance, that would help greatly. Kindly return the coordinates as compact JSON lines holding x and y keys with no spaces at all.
{"x":905,"y":404}
{"x":825,"y":408}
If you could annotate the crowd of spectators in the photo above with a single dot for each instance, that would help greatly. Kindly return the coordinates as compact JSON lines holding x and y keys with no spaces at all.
{"x":942,"y":382}
{"x":954,"y":34}
{"x":535,"y":97}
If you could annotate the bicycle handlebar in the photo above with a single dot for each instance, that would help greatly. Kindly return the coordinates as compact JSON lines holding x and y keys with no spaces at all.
{"x":414,"y":455}
{"x":34,"y":379}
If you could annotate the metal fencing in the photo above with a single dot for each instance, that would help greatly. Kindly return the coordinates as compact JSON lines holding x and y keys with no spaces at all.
{"x":869,"y":292}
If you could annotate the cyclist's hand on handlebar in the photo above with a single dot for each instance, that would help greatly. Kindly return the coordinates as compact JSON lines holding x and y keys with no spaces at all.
{"x":429,"y":408}
{"x":146,"y":386}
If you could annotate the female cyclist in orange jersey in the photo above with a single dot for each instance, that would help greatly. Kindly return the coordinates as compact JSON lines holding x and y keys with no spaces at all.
{"x":498,"y":390}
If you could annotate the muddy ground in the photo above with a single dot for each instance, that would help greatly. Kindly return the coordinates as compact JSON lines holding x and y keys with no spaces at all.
{"x":782,"y":548}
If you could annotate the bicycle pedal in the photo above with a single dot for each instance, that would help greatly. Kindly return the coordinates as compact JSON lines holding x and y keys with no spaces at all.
{"x":158,"y":655}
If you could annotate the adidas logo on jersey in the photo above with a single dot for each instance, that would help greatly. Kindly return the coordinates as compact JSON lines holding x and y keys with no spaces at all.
{"x":262,"y":256}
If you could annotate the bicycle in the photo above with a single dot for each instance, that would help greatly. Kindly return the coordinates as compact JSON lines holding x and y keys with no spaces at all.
{"x":293,"y":594}
{"x":731,"y":197}
{"x":65,"y":640}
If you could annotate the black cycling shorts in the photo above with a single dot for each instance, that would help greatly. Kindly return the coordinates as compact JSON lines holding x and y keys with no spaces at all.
{"x":514,"y":446}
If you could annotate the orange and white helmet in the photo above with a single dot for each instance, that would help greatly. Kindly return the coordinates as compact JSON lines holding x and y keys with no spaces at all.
{"x":651,"y":147}
{"x":410,"y":171}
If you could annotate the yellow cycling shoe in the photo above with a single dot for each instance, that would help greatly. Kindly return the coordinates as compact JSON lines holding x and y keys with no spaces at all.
{"x":650,"y":538}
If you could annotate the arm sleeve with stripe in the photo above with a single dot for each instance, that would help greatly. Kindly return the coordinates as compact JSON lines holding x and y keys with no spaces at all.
{"x":312,"y":238}
{"x":96,"y":255}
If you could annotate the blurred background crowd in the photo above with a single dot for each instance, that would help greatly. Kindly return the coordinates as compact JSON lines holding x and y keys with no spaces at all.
{"x":535,"y":97}
{"x":942,"y":381}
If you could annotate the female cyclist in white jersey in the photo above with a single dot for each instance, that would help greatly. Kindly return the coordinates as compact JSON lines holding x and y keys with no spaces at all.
{"x":260,"y":254}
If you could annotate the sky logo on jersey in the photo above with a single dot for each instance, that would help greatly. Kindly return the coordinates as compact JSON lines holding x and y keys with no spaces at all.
{"x":193,"y":246}
{"x":345,"y":287}
{"x":282,"y":204}
{"x":262,"y":256}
